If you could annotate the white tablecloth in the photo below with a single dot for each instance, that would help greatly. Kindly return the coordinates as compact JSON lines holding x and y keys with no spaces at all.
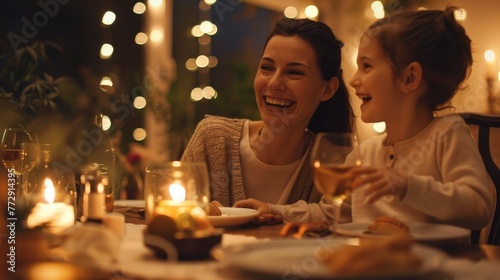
{"x":135,"y":260}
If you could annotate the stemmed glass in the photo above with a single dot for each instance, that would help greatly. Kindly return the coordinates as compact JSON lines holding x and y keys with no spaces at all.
{"x":332,"y":173}
{"x":16,"y":151}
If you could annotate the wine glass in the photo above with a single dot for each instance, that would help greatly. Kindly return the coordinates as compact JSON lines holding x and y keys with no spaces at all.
{"x":332,"y":175}
{"x":17,"y":154}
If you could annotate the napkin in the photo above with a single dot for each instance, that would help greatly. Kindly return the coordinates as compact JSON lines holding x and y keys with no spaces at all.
{"x":85,"y":244}
{"x":230,"y":239}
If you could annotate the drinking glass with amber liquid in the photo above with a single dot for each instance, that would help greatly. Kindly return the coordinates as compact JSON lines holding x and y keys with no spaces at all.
{"x":17,"y":155}
{"x":332,"y":176}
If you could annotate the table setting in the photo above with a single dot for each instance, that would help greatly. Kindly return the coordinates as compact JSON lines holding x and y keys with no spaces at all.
{"x":172,"y":235}
{"x":243,"y":254}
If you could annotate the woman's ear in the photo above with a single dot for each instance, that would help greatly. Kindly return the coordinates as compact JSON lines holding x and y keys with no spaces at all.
{"x":412,"y":76}
{"x":330,"y":89}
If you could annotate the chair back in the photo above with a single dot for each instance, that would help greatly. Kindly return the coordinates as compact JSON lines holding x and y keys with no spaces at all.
{"x":489,"y":149}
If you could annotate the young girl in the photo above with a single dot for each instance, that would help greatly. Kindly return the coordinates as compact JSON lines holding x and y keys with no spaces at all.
{"x":426,"y":168}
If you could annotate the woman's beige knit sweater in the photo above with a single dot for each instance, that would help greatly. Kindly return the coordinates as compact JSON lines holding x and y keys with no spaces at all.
{"x":216,"y":141}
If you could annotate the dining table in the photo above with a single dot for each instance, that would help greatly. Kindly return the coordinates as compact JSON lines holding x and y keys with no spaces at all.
{"x":131,"y":259}
{"x":463,"y":260}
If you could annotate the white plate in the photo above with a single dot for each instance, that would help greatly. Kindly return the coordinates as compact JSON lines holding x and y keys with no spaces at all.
{"x":295,"y":259}
{"x":130,"y":203}
{"x":233,"y":216}
{"x":419,"y":231}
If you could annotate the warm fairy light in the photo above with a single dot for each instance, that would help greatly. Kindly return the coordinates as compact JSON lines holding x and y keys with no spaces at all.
{"x":377,"y":6}
{"x":106,"y":82}
{"x":196,"y":31}
{"x":196,"y":94}
{"x":206,"y":26}
{"x":106,"y":51}
{"x":311,"y":11}
{"x":209,"y":92}
{"x":106,"y":85}
{"x":139,"y":8}
{"x":291,"y":12}
{"x":213,"y":30}
{"x":204,"y":40}
{"x":379,"y":127}
{"x":209,"y":2}
{"x":139,"y":134}
{"x":379,"y":14}
{"x":156,"y":35}
{"x":139,"y":102}
{"x":106,"y":123}
{"x":141,"y":38}
{"x":49,"y":192}
{"x":212,"y":61}
{"x":378,"y":9}
{"x":489,"y":56}
{"x":202,"y":61}
{"x":177,"y":192}
{"x":108,"y":18}
{"x":155,"y":3}
{"x":191,"y":64}
{"x":460,"y":14}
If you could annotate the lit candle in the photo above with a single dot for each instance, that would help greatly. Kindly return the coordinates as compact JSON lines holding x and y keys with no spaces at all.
{"x":184,"y":212}
{"x":56,"y":215}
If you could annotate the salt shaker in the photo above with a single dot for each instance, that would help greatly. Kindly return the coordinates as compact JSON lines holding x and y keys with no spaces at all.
{"x":94,"y":205}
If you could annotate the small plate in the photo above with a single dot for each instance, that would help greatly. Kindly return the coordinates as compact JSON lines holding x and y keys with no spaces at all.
{"x":294,"y":259}
{"x":233,"y":216}
{"x":130,"y":203}
{"x":422,"y":232}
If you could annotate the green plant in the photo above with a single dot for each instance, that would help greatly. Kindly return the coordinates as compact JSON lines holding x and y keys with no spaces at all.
{"x":27,"y":89}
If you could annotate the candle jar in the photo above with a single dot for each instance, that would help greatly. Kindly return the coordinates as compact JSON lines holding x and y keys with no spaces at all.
{"x":173,"y":188}
{"x":52,"y":197}
{"x":177,"y":195}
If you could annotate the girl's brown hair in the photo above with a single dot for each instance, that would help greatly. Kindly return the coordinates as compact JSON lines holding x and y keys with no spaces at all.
{"x":432,"y":38}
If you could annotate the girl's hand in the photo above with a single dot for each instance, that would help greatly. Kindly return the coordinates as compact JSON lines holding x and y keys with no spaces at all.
{"x":380,"y":182}
{"x":261,"y":207}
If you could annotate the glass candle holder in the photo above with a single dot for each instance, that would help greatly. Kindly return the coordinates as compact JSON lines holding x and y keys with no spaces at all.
{"x":52,"y":197}
{"x":177,"y":195}
{"x":175,"y":189}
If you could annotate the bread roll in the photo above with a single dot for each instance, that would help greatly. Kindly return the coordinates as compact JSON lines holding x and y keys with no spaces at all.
{"x":388,"y":256}
{"x":213,"y":209}
{"x":388,"y":226}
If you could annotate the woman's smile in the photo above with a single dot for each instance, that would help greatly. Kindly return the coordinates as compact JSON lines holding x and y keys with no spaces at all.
{"x":278,"y":103}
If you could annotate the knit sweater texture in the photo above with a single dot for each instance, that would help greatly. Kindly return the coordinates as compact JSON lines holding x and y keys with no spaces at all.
{"x":216,"y":141}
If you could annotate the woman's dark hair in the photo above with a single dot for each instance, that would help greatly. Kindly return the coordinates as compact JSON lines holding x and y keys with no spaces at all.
{"x":432,"y":38}
{"x":334,"y":114}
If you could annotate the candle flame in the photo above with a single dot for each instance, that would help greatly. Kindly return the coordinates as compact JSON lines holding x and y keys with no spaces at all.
{"x":177,"y":192}
{"x":50,"y":191}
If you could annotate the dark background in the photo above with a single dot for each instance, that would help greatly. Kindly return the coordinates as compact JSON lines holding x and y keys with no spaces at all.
{"x":75,"y":25}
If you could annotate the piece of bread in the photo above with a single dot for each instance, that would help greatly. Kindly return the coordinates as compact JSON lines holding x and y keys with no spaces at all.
{"x":213,"y":209}
{"x":388,"y":226}
{"x":388,"y":256}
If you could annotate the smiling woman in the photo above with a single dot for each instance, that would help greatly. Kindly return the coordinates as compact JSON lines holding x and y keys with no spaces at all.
{"x":299,"y":92}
